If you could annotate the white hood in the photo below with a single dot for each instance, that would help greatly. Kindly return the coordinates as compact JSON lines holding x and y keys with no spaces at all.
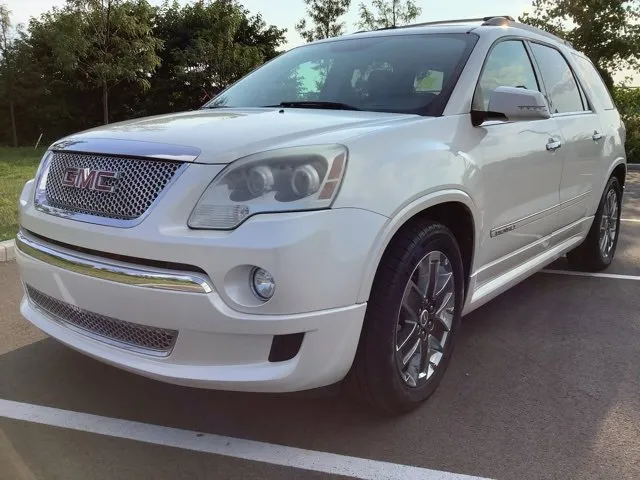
{"x":224,"y":135}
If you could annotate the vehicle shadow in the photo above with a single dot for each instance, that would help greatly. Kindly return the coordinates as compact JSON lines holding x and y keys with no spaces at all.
{"x":544,"y":380}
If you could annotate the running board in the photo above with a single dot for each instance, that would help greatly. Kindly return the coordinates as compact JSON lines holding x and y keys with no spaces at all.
{"x":495,"y":287}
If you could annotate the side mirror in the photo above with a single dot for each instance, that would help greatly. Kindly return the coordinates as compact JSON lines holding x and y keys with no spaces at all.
{"x":514,"y":105}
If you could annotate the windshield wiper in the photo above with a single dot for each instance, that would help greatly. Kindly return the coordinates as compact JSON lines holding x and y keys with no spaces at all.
{"x":318,"y":104}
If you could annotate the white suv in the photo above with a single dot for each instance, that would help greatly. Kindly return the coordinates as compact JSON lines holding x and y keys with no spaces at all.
{"x":333,"y":214}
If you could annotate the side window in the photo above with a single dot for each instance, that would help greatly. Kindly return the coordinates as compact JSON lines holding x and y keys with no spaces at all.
{"x":590,"y":76}
{"x":558,"y":79}
{"x":508,"y":65}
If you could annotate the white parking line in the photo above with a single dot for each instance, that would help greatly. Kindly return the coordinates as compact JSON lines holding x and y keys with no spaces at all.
{"x":631,"y":220}
{"x":216,"y":444}
{"x":590,"y":274}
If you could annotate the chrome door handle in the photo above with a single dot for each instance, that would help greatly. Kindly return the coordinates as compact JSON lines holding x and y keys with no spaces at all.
{"x":554,"y":145}
{"x":597,"y":136}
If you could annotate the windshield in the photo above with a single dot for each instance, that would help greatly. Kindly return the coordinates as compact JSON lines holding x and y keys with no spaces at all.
{"x":396,"y":73}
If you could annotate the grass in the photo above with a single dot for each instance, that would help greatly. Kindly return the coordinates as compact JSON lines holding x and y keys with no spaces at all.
{"x":17,"y":165}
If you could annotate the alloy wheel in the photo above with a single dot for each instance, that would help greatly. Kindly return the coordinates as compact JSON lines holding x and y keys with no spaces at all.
{"x":425,"y":319}
{"x":609,"y":223}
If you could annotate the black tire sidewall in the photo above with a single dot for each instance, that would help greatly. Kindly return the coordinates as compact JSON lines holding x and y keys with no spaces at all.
{"x":380,"y":347}
{"x":612,"y":184}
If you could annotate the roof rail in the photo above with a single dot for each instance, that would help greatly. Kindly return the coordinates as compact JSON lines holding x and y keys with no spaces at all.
{"x":510,"y":22}
{"x":442,"y":22}
{"x":458,"y":20}
{"x":494,"y":21}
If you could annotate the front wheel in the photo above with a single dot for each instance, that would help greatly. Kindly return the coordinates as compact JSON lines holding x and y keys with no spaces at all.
{"x":412,"y":319}
{"x":597,"y":251}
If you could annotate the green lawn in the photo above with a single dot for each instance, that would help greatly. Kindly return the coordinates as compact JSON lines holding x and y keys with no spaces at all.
{"x":17,"y":165}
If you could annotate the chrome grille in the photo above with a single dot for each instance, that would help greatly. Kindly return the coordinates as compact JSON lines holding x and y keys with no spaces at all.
{"x":144,"y":339}
{"x":139,"y":184}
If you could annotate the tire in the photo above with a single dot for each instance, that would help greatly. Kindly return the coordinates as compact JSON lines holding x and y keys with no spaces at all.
{"x":590,"y":255}
{"x":377,"y":375}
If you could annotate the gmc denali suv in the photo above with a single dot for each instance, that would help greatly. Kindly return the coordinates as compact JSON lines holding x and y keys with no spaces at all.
{"x":330,"y":216}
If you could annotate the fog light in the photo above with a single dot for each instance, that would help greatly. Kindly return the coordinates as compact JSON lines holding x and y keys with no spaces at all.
{"x":263,"y":284}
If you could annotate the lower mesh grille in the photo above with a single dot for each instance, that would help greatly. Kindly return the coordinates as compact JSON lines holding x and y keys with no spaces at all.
{"x":131,"y":336}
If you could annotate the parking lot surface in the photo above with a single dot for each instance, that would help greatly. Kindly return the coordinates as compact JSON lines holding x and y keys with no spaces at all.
{"x":545,"y":383}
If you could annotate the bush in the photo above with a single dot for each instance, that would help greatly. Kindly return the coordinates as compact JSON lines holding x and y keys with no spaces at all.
{"x":628,"y":102}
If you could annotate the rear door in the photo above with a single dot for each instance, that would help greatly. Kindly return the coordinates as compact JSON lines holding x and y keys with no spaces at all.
{"x":581,"y":129}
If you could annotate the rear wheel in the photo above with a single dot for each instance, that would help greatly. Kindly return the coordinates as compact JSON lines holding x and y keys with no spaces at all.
{"x":412,"y":318}
{"x":598,"y":249}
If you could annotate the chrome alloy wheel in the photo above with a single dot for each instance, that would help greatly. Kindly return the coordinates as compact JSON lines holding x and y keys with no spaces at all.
{"x":425,"y":319}
{"x":609,"y":223}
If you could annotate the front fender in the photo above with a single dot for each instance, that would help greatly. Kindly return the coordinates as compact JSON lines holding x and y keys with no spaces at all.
{"x":401,"y":217}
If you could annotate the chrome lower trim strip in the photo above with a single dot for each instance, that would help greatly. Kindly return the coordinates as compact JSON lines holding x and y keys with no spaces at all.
{"x":536,"y":216}
{"x":134,"y":276}
{"x":575,"y":200}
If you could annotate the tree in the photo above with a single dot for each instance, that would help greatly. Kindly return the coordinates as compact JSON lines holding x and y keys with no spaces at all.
{"x":388,"y":13}
{"x":607,"y":31}
{"x":106,"y":42}
{"x":60,"y":64}
{"x":324,"y":16}
{"x":7,"y":66}
{"x":206,"y":48}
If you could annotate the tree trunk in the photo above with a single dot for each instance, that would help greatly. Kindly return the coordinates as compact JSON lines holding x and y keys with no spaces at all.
{"x":393,"y":12}
{"x":13,"y":123}
{"x":105,"y":103}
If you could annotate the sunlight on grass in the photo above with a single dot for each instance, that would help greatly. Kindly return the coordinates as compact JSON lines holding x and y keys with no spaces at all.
{"x":17,"y":165}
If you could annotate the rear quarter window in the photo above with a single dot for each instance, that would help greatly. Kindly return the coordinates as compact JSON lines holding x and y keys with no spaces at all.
{"x":593,"y":82}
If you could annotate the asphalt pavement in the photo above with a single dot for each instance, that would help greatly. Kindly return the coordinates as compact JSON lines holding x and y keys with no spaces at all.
{"x":545,"y":383}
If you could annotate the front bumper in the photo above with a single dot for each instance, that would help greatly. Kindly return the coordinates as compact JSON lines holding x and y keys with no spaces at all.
{"x":216,"y":347}
{"x":225,"y":335}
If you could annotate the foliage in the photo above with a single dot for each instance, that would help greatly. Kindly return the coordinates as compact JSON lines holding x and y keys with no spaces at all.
{"x":17,"y":165}
{"x":7,"y":67}
{"x":324,"y":16}
{"x":61,"y":63}
{"x":387,"y":13}
{"x":206,"y":48}
{"x":104,"y":42}
{"x":628,"y":103}
{"x":607,"y":31}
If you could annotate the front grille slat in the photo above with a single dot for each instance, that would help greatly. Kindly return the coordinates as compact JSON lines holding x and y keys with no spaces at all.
{"x":139,"y":184}
{"x":144,"y":339}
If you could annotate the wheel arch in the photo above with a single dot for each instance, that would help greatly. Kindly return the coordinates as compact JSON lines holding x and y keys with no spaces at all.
{"x":619,"y":170}
{"x":453,"y":208}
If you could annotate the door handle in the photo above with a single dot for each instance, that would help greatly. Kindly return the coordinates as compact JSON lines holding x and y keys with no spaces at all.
{"x":597,"y":136}
{"x":553,"y":145}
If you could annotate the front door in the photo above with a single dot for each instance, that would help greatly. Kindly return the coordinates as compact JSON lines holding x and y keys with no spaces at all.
{"x":520,"y":172}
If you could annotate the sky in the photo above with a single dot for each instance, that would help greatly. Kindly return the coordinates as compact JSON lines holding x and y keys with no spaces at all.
{"x":285,"y":13}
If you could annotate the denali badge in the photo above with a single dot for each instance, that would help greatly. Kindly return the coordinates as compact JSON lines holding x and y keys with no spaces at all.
{"x":88,"y":179}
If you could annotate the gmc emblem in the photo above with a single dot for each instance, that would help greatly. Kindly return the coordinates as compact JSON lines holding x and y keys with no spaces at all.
{"x":89,"y":179}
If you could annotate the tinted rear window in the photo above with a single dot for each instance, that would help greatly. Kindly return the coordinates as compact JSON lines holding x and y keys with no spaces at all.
{"x":558,"y":79}
{"x":593,"y":82}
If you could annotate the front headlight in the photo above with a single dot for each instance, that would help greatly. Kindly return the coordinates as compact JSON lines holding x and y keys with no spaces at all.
{"x":290,"y":179}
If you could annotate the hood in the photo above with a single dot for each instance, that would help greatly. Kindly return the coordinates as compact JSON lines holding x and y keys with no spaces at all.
{"x":223,"y":135}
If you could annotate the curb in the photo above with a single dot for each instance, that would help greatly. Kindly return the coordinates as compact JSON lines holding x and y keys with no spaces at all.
{"x":7,"y":251}
{"x":633,"y":166}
